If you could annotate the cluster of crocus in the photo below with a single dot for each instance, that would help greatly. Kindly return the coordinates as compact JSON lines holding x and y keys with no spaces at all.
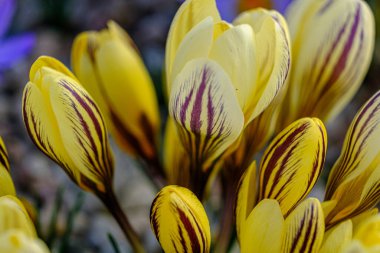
{"x":229,"y":86}
{"x":17,"y":232}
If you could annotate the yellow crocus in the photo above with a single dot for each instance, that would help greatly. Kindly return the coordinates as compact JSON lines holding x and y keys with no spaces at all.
{"x":221,"y":76}
{"x":65,"y":123}
{"x":6,"y":183}
{"x":179,"y":221}
{"x":111,"y":69}
{"x":353,"y":185}
{"x":332,"y":46}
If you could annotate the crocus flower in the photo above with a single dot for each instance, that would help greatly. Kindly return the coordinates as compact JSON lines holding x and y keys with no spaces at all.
{"x":179,"y":221}
{"x":289,"y":169}
{"x":15,"y":47}
{"x":332,"y":46}
{"x":353,"y":186}
{"x":65,"y":123}
{"x":109,"y":66}
{"x":220,"y":77}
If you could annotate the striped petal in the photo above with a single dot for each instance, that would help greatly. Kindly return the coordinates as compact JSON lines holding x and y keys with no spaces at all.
{"x":6,"y":183}
{"x":246,"y":197}
{"x":337,"y":238}
{"x":179,"y":221}
{"x":188,"y":15}
{"x":354,"y":181}
{"x":272,"y":62}
{"x":112,"y":71}
{"x":264,"y":228}
{"x":206,"y":111}
{"x":329,"y":39}
{"x":14,"y":216}
{"x":304,"y":228}
{"x":65,"y":123}
{"x":293,"y":162}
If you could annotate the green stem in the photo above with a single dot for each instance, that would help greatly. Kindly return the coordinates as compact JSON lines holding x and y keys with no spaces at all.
{"x":110,"y":201}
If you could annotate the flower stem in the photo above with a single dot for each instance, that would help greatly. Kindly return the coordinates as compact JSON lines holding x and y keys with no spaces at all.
{"x":110,"y":201}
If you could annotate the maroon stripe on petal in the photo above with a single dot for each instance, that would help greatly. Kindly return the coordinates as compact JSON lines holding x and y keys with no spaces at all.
{"x":195,"y":246}
{"x":195,"y":120}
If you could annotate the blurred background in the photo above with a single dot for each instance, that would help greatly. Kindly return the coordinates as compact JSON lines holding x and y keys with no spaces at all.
{"x":47,"y":27}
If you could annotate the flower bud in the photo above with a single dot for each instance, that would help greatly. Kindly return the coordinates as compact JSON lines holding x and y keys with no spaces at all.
{"x":179,"y":221}
{"x":65,"y":123}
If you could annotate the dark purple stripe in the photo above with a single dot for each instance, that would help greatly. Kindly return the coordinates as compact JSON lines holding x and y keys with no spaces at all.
{"x":195,"y":120}
{"x":195,"y":246}
{"x":278,"y":152}
{"x":310,"y":229}
{"x":341,"y":64}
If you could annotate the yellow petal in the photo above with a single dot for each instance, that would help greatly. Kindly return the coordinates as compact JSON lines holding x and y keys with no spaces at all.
{"x":109,"y":67}
{"x":272,"y":61}
{"x":368,"y":232}
{"x":176,"y":161}
{"x":179,"y":221}
{"x":65,"y":123}
{"x":188,"y":15}
{"x":206,"y":111}
{"x":246,"y":197}
{"x":196,"y":44}
{"x":264,"y":228}
{"x":304,"y":228}
{"x":14,"y":216}
{"x":332,"y":44}
{"x":6,"y":183}
{"x":337,"y":238}
{"x":360,"y":148}
{"x":235,"y":51}
{"x":354,"y":180}
{"x":292,"y":163}
{"x":16,"y":241}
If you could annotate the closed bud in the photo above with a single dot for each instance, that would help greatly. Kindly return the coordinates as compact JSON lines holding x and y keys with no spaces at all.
{"x":332,"y":46}
{"x":110,"y":68}
{"x":65,"y":123}
{"x":179,"y":221}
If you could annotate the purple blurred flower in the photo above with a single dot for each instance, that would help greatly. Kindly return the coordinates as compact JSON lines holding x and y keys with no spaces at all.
{"x":12,"y":48}
{"x":229,"y":8}
{"x":280,"y":5}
